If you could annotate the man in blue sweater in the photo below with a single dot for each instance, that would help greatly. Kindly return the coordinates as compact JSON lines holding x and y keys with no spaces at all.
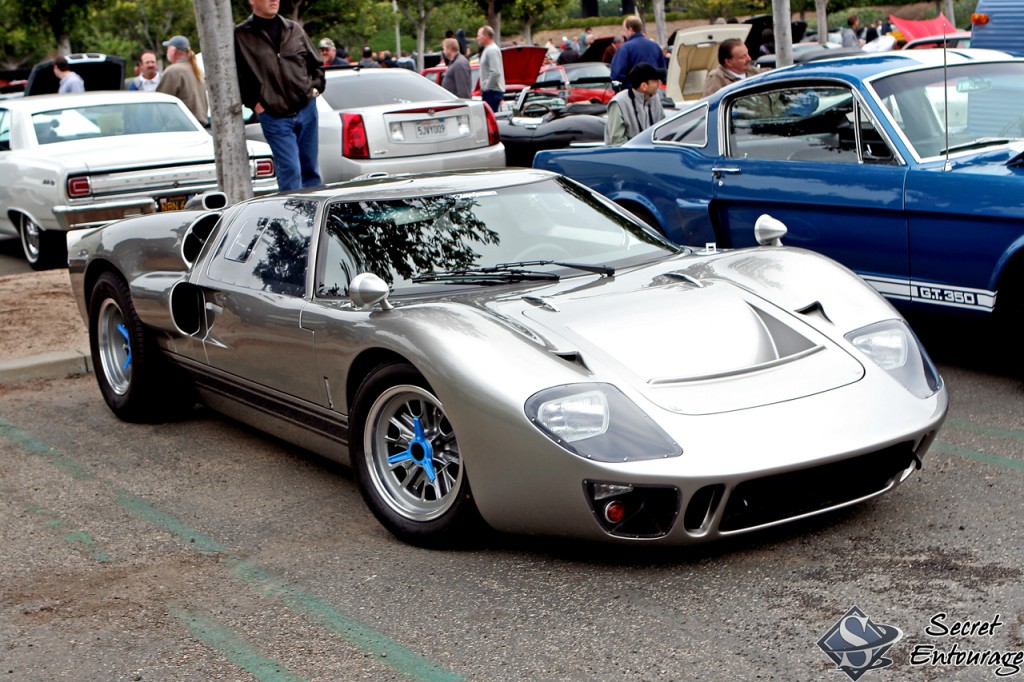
{"x":637,"y":48}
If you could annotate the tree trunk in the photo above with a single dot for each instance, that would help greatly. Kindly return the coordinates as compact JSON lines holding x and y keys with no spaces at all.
{"x":217,"y":37}
{"x":528,"y":31}
{"x":819,"y":9}
{"x":783,"y":20}
{"x":948,"y":11}
{"x":659,"y":22}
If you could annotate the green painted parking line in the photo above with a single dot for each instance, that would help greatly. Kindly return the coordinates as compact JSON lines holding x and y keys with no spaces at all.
{"x":81,"y":541}
{"x":231,"y":645}
{"x":364,"y":638}
{"x":30,"y":443}
{"x":985,"y":430}
{"x":368,"y":640}
{"x":967,"y":453}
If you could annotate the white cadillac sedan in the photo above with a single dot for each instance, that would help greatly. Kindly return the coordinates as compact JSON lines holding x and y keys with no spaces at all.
{"x":397,"y":121}
{"x":81,"y":160}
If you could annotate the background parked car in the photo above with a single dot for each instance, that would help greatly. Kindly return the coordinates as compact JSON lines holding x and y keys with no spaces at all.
{"x":579,"y":82}
{"x":521,"y":63}
{"x":902,"y":167}
{"x":83,"y":160}
{"x":396,"y":121}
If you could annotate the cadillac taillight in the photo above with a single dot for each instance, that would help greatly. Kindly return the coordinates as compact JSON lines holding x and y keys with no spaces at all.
{"x":493,"y":135}
{"x":353,"y":137}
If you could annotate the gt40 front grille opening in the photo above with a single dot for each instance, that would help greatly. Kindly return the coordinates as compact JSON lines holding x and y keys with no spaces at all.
{"x":701,"y":508}
{"x":783,"y":496}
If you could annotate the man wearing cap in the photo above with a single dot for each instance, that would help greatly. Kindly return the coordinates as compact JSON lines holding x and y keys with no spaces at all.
{"x":733,"y":65}
{"x":280,"y":76}
{"x":636,"y":108}
{"x":184,"y":79}
{"x":329,"y":54}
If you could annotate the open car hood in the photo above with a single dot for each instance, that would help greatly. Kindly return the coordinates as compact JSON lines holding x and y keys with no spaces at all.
{"x":596,"y":49}
{"x":98,"y":71}
{"x":721,"y":349}
{"x":522,"y":63}
{"x":694,"y":53}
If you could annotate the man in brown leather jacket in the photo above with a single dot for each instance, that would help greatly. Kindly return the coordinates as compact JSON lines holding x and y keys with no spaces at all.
{"x":280,"y":76}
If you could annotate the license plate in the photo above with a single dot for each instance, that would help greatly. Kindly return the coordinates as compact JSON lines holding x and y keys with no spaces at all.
{"x":175,"y":203}
{"x":432,"y":128}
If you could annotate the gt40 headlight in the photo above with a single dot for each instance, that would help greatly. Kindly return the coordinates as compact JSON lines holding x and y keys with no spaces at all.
{"x":598,"y":422}
{"x":893,"y":346}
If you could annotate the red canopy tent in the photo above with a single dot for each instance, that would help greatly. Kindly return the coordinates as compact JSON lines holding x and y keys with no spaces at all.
{"x":912,"y":30}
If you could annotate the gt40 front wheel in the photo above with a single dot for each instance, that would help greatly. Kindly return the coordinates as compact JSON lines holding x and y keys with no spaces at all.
{"x":407,"y":459}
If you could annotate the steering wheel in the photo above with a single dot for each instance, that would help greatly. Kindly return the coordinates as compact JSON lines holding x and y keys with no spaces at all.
{"x":544,"y":109}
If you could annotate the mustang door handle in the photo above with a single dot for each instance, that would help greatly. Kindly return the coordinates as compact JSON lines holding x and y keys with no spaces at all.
{"x":718,"y":173}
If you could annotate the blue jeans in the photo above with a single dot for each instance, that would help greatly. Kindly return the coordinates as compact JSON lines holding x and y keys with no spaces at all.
{"x":294,"y":141}
{"x":493,"y":98}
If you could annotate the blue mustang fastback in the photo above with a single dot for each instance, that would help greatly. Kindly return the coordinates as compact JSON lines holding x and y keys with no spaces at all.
{"x":908,"y":167}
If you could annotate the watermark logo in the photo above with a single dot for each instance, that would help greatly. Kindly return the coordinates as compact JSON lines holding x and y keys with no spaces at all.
{"x":857,"y":645}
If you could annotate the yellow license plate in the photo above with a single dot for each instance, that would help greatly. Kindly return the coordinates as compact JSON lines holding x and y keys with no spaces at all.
{"x":175,"y":203}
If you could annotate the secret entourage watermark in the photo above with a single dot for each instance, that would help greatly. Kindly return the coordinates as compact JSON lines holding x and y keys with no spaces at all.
{"x":857,"y":645}
{"x":947,"y":650}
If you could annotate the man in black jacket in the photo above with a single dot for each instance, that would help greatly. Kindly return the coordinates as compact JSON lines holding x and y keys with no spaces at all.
{"x":280,"y":76}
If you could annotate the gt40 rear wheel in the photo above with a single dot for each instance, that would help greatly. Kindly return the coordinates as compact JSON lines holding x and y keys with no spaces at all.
{"x":407,"y":459}
{"x":136,"y":383}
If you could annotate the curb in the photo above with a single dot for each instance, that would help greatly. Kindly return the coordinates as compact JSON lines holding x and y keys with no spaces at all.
{"x":54,"y":365}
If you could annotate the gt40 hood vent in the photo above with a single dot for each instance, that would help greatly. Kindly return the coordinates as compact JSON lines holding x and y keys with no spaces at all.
{"x":698,"y":351}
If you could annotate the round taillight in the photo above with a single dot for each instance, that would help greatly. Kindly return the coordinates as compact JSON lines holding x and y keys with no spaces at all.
{"x":614,"y":511}
{"x":979,"y":19}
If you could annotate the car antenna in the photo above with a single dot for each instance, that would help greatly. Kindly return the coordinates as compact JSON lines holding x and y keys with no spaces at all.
{"x":945,"y":99}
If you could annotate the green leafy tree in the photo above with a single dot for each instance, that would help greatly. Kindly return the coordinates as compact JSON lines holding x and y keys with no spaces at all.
{"x":529,"y":12}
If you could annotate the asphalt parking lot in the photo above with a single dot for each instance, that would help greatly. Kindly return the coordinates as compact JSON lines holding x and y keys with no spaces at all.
{"x":204,"y":550}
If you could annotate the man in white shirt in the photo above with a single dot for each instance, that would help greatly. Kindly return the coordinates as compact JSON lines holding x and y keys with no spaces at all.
{"x":149,"y":76}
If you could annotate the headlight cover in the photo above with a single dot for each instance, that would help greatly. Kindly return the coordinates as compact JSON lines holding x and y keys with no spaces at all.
{"x":598,"y":422}
{"x":893,"y":346}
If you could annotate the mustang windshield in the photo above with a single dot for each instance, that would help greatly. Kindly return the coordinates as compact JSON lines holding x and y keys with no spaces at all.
{"x":110,"y":120}
{"x":552,"y":226}
{"x":974,"y":106}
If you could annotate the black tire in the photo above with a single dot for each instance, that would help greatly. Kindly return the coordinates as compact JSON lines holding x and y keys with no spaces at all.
{"x":644,"y":215}
{"x":137,"y":384}
{"x":423,"y":498}
{"x":43,"y":249}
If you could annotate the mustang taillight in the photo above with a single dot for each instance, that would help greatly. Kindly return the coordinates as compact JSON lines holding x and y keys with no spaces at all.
{"x":79,"y":187}
{"x":354,"y":144}
{"x":264,"y":168}
{"x":493,"y":134}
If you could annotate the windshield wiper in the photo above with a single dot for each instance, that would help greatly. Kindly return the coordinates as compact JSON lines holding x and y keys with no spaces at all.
{"x":509,"y":272}
{"x":606,"y":270}
{"x":977,"y":144}
{"x":485,"y":276}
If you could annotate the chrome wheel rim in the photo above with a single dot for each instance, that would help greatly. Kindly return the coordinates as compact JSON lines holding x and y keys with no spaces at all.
{"x":412,"y":454}
{"x":115,"y":349}
{"x":31,"y":239}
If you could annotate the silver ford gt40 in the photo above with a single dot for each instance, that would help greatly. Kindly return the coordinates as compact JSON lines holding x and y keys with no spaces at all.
{"x":510,"y":347}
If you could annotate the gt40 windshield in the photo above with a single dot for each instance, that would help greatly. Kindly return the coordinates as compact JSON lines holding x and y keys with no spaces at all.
{"x":553,"y":225}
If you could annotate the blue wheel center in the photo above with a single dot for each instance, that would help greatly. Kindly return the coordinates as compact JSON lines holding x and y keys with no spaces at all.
{"x":126,"y":346}
{"x":419,"y":451}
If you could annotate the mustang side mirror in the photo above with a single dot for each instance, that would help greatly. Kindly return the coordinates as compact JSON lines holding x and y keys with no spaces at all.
{"x":367,"y":289}
{"x":769,"y":231}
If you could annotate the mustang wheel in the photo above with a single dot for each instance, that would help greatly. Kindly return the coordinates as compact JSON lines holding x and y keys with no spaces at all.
{"x":39,"y":246}
{"x":407,"y":459}
{"x":135,"y":382}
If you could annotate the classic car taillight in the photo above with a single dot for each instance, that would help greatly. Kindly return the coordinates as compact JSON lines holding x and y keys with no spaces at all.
{"x":264,"y":168}
{"x":493,"y":134}
{"x":353,"y":137}
{"x":79,"y":187}
{"x":979,"y":19}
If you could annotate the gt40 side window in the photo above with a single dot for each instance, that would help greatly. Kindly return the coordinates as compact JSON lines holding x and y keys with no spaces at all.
{"x":690,"y":128}
{"x":267,"y":246}
{"x":812,"y":123}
